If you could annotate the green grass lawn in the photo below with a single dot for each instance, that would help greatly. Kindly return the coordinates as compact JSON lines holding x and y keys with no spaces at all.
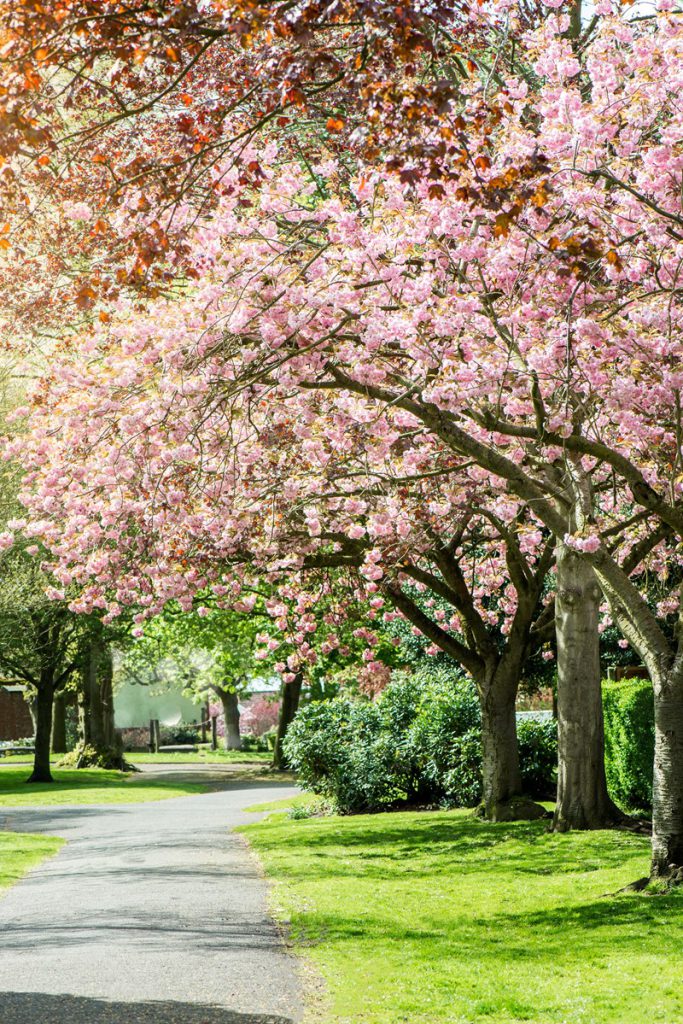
{"x":87,"y":786}
{"x":205,"y":757}
{"x":19,"y":853}
{"x":436,"y":918}
{"x":200,"y":757}
{"x":300,"y":800}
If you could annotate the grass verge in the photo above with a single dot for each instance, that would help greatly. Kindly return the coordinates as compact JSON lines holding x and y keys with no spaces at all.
{"x":205,"y":757}
{"x":300,"y":800}
{"x":199,"y":757}
{"x":436,"y":918}
{"x":87,"y":786}
{"x":19,"y":853}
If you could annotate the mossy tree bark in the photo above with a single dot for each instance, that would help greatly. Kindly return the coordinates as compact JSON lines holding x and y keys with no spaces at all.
{"x":667,"y":788}
{"x":52,"y":676}
{"x":92,"y":713}
{"x":664,"y":662}
{"x":106,"y":685}
{"x":496,"y":672}
{"x":96,"y":725}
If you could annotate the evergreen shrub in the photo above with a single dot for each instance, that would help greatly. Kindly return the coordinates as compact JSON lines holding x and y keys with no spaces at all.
{"x":419,"y":742}
{"x":629,"y":741}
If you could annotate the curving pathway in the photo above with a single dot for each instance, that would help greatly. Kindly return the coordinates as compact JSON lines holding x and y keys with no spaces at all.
{"x":152,"y":913}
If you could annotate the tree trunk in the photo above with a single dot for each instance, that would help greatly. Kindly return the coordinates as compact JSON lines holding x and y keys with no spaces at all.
{"x":93,"y":708}
{"x":501,"y":776}
{"x":43,"y":705}
{"x":106,"y":688}
{"x":231,"y":717}
{"x":500,"y":758}
{"x":98,"y":745}
{"x":667,"y":787}
{"x":582,"y":798}
{"x":291,"y":695}
{"x":59,"y":724}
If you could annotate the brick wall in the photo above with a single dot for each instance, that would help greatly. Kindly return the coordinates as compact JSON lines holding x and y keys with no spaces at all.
{"x":15,"y":720}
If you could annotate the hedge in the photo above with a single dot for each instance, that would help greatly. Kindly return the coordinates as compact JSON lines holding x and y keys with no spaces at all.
{"x":629,"y":741}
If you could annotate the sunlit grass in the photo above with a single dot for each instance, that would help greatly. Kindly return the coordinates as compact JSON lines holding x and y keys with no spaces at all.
{"x":204,"y":757}
{"x":300,"y":800}
{"x":19,"y":853}
{"x":437,"y":918}
{"x":190,"y":757}
{"x":87,"y":786}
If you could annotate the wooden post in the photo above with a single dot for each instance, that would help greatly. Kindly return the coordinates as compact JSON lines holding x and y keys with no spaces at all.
{"x":214,"y":732}
{"x":154,"y":735}
{"x":204,"y":720}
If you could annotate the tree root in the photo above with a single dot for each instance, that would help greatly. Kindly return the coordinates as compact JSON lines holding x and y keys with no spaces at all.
{"x":88,"y":756}
{"x":611,"y":818}
{"x":517,"y":808}
{"x":638,"y":886}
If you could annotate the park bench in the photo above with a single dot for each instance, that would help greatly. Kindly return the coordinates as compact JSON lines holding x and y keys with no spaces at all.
{"x":179,"y":748}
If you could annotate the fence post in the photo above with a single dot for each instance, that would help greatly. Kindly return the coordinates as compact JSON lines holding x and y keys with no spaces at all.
{"x":154,"y":735}
{"x":214,"y":733}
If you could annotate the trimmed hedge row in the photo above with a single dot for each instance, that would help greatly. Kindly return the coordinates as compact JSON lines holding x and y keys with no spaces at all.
{"x":629,"y":741}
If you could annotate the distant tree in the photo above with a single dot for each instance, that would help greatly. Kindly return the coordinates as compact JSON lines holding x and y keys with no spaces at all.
{"x":208,"y":651}
{"x":41,"y":642}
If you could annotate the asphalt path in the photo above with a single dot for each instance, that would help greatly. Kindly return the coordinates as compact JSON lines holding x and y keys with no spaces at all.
{"x":152,"y":913}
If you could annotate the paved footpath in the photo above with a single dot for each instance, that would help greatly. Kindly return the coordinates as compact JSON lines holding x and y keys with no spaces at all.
{"x":152,"y":913}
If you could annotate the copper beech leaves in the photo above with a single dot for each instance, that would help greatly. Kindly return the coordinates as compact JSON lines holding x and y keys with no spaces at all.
{"x":151,"y":99}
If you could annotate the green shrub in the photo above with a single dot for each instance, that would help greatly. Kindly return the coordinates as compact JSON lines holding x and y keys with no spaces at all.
{"x":420,"y":742}
{"x":446,"y":712}
{"x":339,"y":750}
{"x":260,"y":743}
{"x":462,"y":785}
{"x":629,"y":741}
{"x":537,"y":743}
{"x":171,"y":736}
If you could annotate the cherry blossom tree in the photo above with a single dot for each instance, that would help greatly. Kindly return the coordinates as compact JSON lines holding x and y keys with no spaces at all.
{"x":523,"y":319}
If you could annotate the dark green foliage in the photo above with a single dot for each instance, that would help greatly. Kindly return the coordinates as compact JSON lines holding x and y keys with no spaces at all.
{"x":537,"y":743}
{"x":180,"y":734}
{"x":420,"y":742}
{"x":340,"y":751}
{"x":261,"y":743}
{"x":462,"y":780}
{"x":629,"y":741}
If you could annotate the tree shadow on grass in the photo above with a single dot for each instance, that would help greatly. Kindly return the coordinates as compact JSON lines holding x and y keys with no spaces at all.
{"x":39,"y":1008}
{"x":428,"y":847}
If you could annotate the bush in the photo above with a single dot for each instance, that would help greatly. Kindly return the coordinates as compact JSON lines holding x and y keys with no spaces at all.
{"x":338,"y":749}
{"x":438,"y":740}
{"x":629,"y":741}
{"x":180,"y":735}
{"x":537,"y":743}
{"x":259,"y":743}
{"x":461,"y":783}
{"x":420,"y":742}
